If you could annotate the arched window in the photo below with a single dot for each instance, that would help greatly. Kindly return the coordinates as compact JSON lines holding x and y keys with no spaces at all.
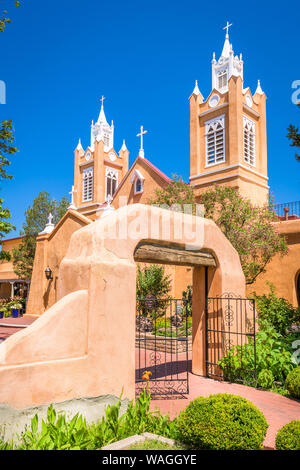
{"x":138,"y":186}
{"x":111,"y":182}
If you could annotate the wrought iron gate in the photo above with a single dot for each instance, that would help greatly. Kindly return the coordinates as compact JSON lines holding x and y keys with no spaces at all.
{"x":230,"y":339}
{"x":163,"y":342}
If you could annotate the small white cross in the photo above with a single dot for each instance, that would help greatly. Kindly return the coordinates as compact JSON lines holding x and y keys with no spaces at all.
{"x":141,"y":136}
{"x":72,"y":205}
{"x":50,"y":219}
{"x":227,"y":27}
{"x":102,"y":99}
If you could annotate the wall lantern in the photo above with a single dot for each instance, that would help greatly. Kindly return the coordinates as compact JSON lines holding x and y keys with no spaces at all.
{"x":48,"y":274}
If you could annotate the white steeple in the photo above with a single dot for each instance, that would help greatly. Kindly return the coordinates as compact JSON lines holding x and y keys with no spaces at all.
{"x":79,"y":146}
{"x":124,"y":148}
{"x":258,"y":89}
{"x":226,"y":66}
{"x":196,"y":89}
{"x":101,"y":130}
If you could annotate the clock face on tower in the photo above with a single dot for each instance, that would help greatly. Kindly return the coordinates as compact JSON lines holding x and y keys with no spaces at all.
{"x":88,"y":156}
{"x":112,"y":156}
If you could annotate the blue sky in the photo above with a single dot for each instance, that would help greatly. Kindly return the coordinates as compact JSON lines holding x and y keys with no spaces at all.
{"x":59,"y":57}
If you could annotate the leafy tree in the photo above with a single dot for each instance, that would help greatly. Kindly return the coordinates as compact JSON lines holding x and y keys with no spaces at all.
{"x":294,"y":137}
{"x":249,"y":228}
{"x":36,"y":218}
{"x":4,"y":21}
{"x":176,"y":194}
{"x":151,"y":280}
{"x":152,"y":283}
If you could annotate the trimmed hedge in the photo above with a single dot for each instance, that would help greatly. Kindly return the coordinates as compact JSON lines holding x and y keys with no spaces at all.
{"x":222,"y":422}
{"x":292,"y":382}
{"x":288,"y":437}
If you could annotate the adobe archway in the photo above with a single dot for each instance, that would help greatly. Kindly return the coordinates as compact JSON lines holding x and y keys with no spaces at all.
{"x":84,"y":345}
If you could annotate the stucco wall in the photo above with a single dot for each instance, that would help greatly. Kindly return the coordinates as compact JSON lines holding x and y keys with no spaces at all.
{"x":282,"y":271}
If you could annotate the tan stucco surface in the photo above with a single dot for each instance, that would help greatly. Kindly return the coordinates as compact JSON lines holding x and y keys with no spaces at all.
{"x":283,"y":271}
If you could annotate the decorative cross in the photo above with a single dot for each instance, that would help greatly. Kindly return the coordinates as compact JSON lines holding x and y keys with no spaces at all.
{"x":102,"y":99}
{"x":72,"y":194}
{"x":50,"y":219}
{"x":227,"y":27}
{"x":141,"y":136}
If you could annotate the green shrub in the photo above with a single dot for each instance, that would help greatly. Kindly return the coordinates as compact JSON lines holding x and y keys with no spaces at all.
{"x":273,"y":353}
{"x":265,"y":379}
{"x":292,"y":382}
{"x":288,"y":437}
{"x":222,"y":422}
{"x":276,"y":312}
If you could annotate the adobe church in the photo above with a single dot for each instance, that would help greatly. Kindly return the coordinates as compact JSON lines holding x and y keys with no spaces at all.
{"x":228,"y":146}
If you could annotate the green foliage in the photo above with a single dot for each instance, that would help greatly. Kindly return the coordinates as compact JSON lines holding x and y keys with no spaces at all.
{"x":152,"y":282}
{"x":222,"y":422}
{"x":265,"y":379}
{"x":187,"y":295}
{"x":276,"y":312}
{"x":163,"y":327}
{"x":6,"y":148}
{"x":249,"y":228}
{"x":294,"y":137}
{"x":288,"y":437}
{"x":175,"y":196}
{"x":292,"y":382}
{"x":36,"y":218}
{"x":58,"y":433}
{"x":4,"y":21}
{"x":273,"y":353}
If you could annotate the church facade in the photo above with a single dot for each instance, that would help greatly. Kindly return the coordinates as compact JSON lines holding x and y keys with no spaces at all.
{"x":228,"y":146}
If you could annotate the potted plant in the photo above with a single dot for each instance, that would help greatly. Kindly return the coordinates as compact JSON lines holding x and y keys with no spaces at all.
{"x":2,"y":308}
{"x":15,"y":308}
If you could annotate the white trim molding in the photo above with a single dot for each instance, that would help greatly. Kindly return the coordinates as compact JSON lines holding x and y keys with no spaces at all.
{"x":229,"y":167}
{"x":235,"y":175}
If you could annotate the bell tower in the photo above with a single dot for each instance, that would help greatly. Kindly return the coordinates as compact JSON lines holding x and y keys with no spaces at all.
{"x":228,"y":142}
{"x":98,"y":169}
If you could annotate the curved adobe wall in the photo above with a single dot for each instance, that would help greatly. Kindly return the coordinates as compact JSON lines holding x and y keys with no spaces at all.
{"x":85,"y":344}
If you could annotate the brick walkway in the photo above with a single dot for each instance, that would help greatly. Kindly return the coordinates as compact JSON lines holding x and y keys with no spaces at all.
{"x":6,"y":331}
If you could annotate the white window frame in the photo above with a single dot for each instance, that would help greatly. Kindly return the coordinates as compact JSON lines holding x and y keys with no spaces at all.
{"x":136,"y":191}
{"x":113,"y":174}
{"x":249,"y":147}
{"x":215,"y":141}
{"x":87,"y":184}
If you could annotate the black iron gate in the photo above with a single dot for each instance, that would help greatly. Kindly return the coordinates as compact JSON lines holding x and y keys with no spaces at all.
{"x":230,"y":339}
{"x":163,"y":342}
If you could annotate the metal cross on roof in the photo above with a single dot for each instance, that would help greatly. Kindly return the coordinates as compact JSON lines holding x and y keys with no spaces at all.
{"x":227,"y":27}
{"x":141,"y":136}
